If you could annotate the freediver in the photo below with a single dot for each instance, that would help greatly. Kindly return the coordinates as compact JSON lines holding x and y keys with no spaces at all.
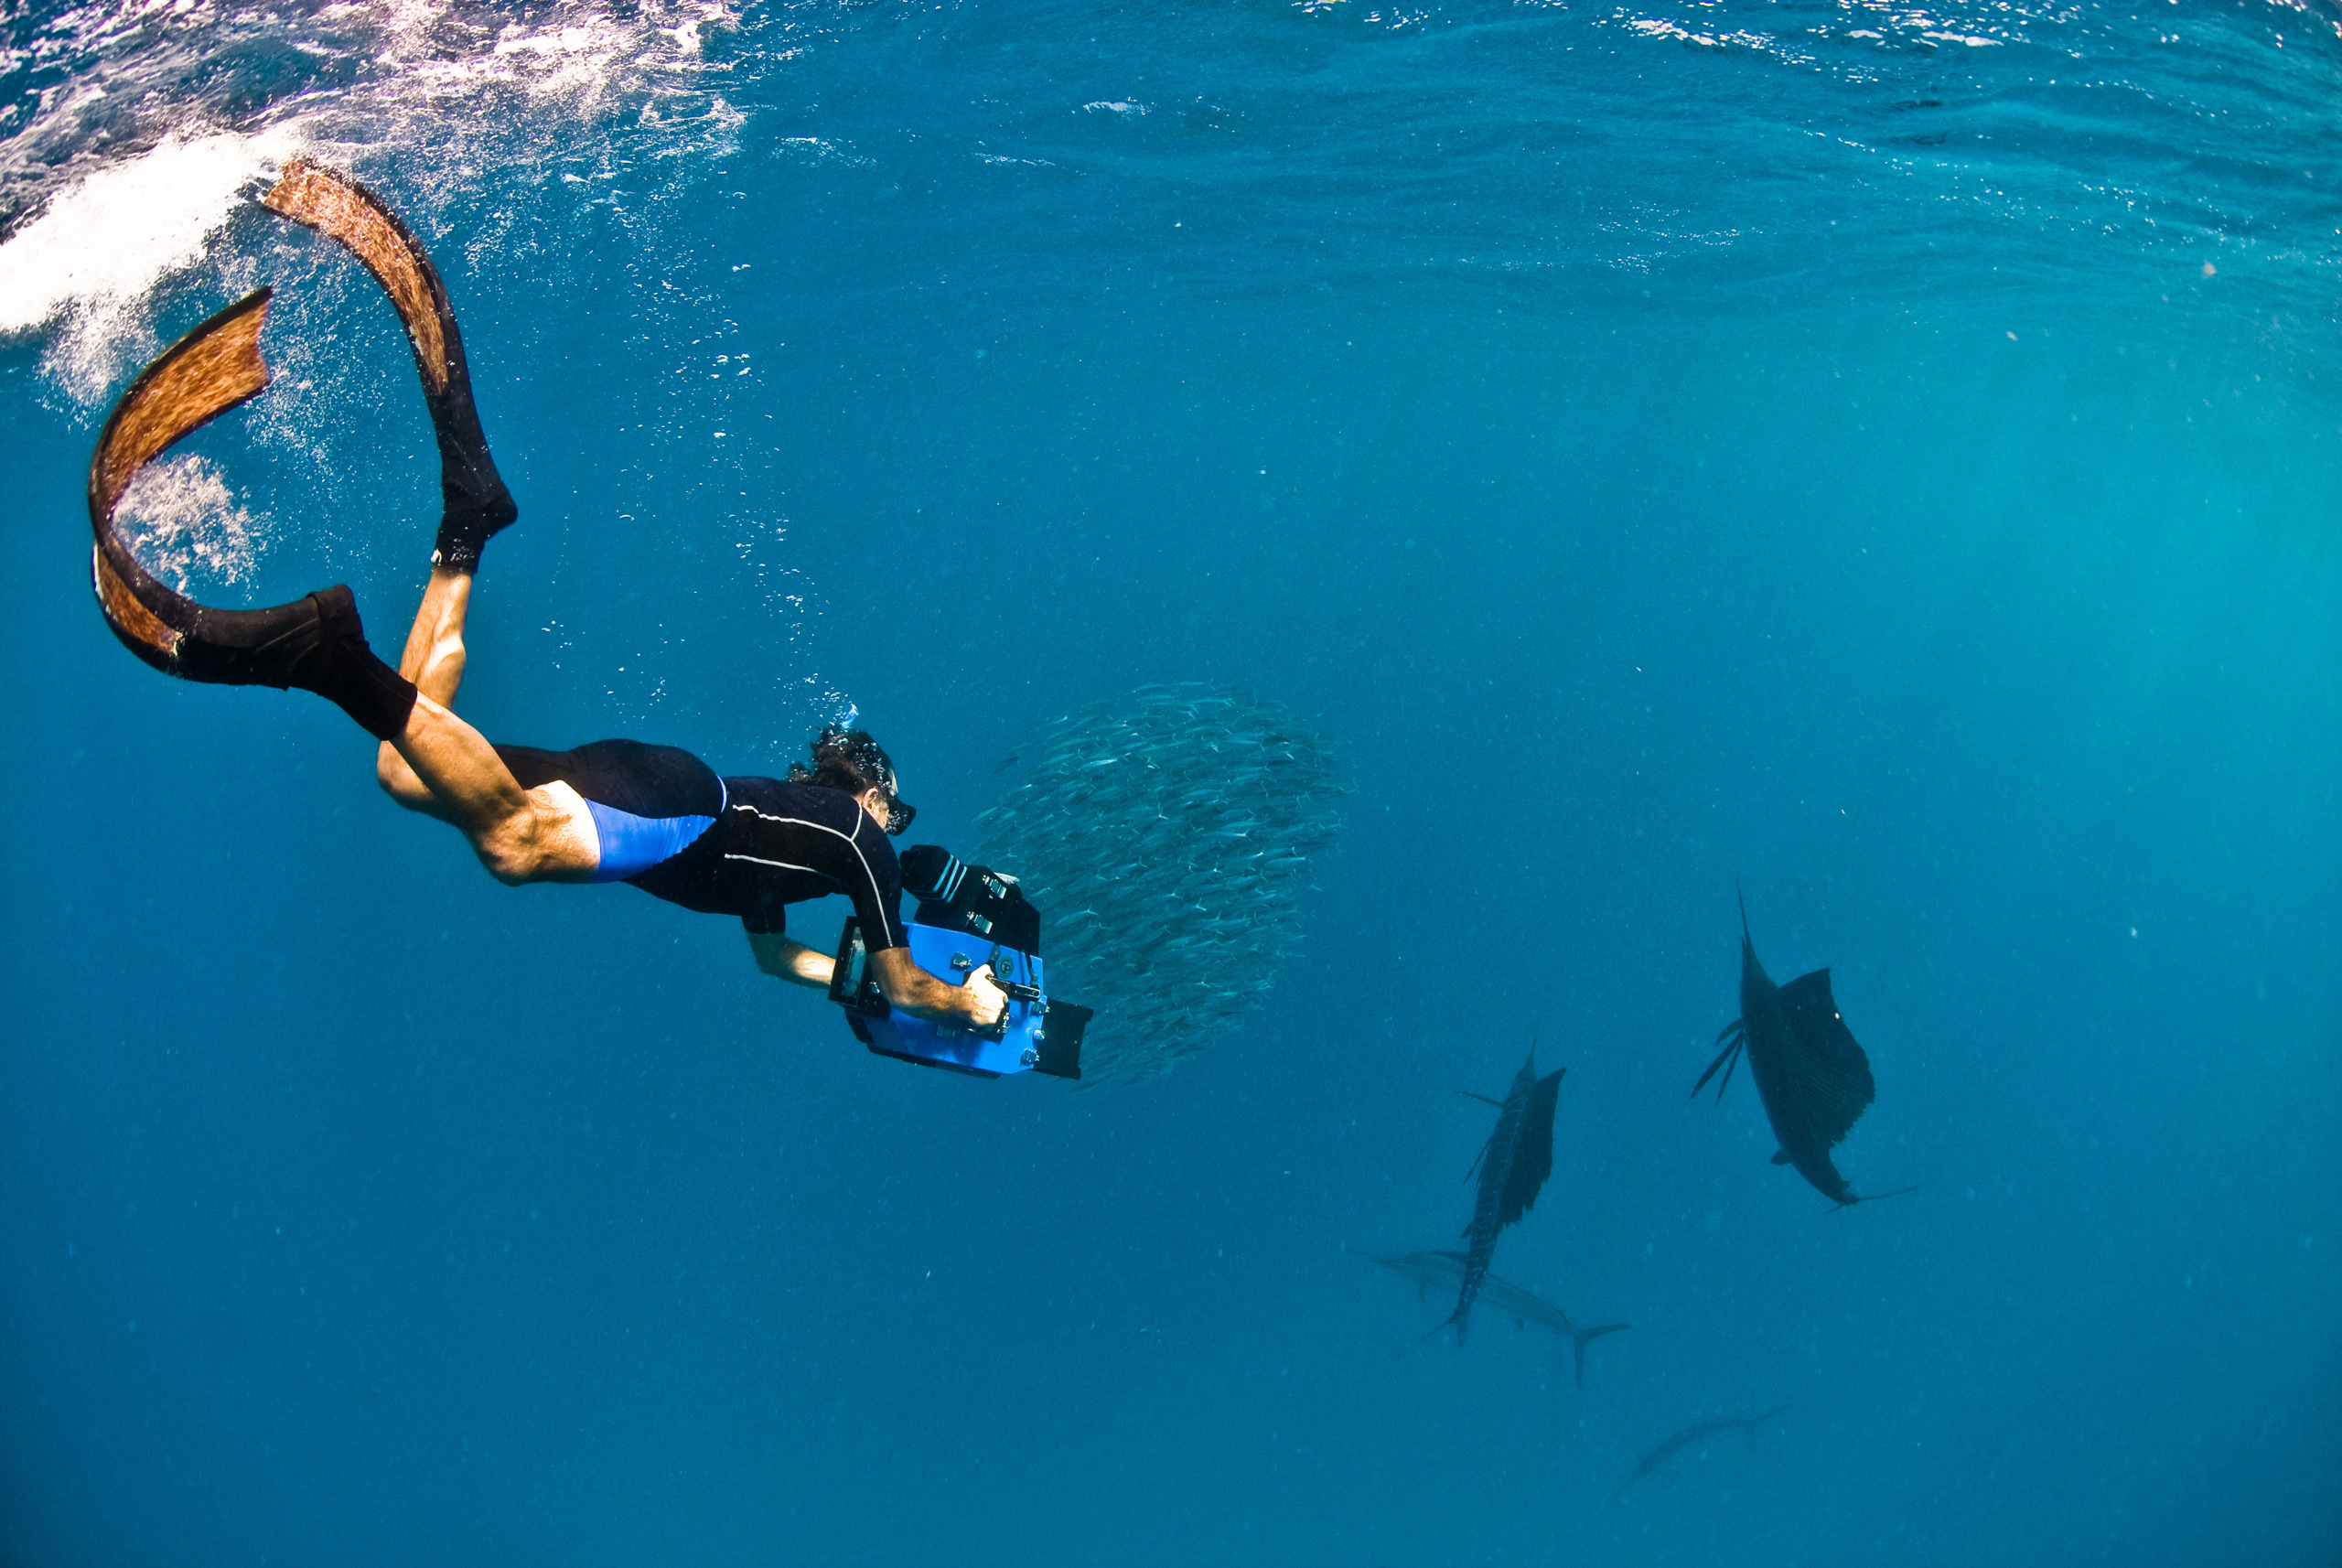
{"x":659,"y":818}
{"x":612,"y":811}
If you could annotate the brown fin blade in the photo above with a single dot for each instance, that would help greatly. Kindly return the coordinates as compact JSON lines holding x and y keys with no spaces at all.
{"x":339,"y":207}
{"x":193,"y":382}
{"x":203,"y":375}
{"x":1819,"y":1069}
{"x":475,"y":499}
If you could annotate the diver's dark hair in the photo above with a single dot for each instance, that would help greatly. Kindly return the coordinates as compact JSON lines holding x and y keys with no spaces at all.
{"x":850,"y":760}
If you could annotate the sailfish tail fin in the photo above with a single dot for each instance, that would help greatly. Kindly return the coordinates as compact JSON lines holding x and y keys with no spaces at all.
{"x":1854,"y":1198}
{"x":1580,"y":1337}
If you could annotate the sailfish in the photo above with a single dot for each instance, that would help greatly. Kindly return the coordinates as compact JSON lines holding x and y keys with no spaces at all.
{"x":1810,"y":1073}
{"x":1693,"y":1434}
{"x":1523,"y":1306}
{"x":1513,"y":1165}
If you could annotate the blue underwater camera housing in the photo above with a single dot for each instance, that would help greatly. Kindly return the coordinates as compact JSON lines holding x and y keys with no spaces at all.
{"x":968,"y":916}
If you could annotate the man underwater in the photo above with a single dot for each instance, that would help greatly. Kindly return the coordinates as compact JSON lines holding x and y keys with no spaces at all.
{"x":612,"y":811}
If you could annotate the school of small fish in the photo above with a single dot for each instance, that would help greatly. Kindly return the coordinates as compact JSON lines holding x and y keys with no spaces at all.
{"x":1167,"y":836}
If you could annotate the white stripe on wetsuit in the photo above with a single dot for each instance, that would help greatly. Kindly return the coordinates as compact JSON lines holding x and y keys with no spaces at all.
{"x":878,"y":898}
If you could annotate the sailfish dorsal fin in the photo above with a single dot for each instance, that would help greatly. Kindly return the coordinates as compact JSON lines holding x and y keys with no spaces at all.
{"x":1821,"y":1067}
{"x":1532,"y":1158}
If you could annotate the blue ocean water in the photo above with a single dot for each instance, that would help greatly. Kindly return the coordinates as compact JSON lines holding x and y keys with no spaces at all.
{"x":1883,"y":456}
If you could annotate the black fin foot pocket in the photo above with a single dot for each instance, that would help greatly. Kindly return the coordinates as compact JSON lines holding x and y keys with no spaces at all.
{"x":475,"y":502}
{"x":316,"y":643}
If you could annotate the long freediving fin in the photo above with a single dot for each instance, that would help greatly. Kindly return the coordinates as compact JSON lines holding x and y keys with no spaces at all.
{"x":316,"y":643}
{"x":475,"y":502}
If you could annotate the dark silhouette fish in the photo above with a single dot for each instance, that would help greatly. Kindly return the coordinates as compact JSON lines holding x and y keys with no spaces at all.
{"x":1692,"y":1434}
{"x":1513,"y":1165}
{"x":1524,"y":1307}
{"x":1812,"y":1077}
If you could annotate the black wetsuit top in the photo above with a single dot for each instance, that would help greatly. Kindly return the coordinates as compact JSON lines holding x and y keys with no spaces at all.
{"x":769,"y":843}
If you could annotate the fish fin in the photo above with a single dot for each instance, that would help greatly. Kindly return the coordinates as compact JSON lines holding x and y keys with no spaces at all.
{"x":1483,"y":1099}
{"x":1730,"y":1068}
{"x":1824,"y":1078}
{"x":1532,"y":1155}
{"x":1739,"y":1037}
{"x":1580,"y":1337}
{"x":1875,"y":1196}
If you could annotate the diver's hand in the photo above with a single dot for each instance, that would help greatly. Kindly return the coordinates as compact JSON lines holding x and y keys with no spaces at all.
{"x":980,"y":1003}
{"x":986,"y":1001}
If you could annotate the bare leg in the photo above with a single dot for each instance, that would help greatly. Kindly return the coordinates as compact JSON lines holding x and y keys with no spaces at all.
{"x":434,"y":660}
{"x":441,"y":766}
{"x":543,"y":834}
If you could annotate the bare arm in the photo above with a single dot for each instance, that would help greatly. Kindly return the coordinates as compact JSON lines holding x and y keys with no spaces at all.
{"x":979,"y":1003}
{"x":792,"y":961}
{"x":906,"y":985}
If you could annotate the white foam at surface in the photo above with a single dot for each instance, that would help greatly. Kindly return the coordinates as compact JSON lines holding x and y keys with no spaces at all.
{"x":438,"y":96}
{"x":93,"y":254}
